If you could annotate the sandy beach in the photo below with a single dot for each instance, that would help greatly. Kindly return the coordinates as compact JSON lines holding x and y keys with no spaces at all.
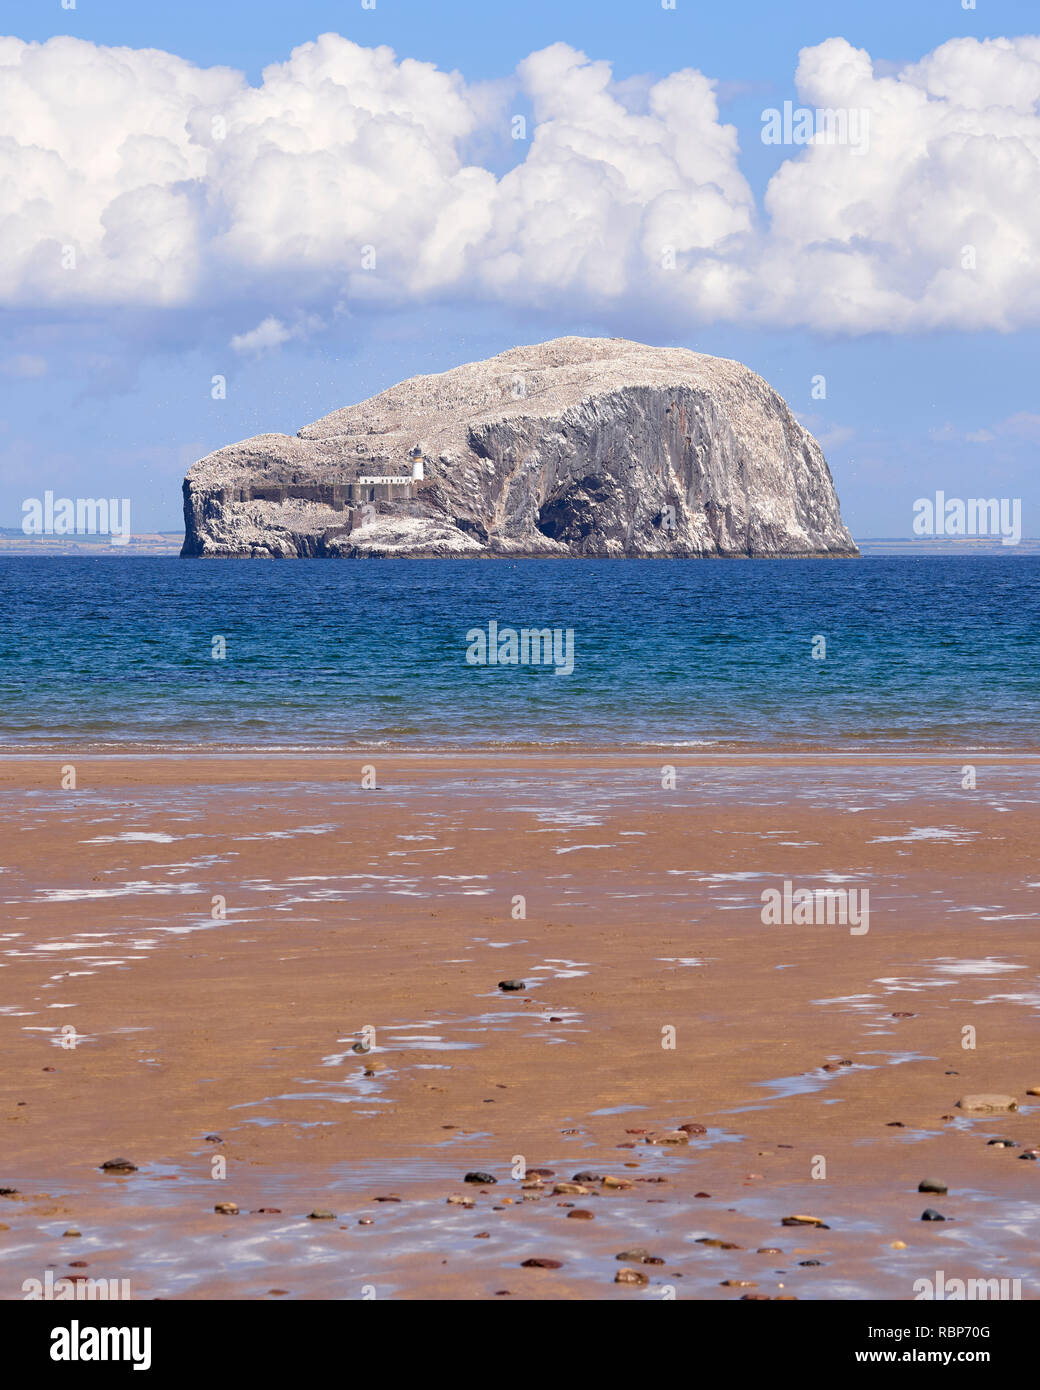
{"x":192,"y":946}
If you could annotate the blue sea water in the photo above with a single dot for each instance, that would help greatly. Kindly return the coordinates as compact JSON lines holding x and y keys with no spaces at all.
{"x":928,"y":652}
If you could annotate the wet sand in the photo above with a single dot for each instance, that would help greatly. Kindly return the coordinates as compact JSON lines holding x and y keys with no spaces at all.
{"x":346,"y":907}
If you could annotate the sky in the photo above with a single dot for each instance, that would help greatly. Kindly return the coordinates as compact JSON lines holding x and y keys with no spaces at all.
{"x":312,"y":202}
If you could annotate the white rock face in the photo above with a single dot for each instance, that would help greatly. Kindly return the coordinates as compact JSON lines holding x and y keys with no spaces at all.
{"x":579,"y":446}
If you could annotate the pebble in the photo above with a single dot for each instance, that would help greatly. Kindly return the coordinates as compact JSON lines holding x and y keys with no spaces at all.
{"x":901,"y":1013}
{"x":636,"y":1256}
{"x":511,"y":984}
{"x":737,"y":1284}
{"x":672,"y":1136}
{"x":587,"y":1177}
{"x":580,"y":1214}
{"x":226,"y":1209}
{"x":898,"y":1245}
{"x":8,"y":1192}
{"x":482,"y":1235}
{"x":804,"y":1221}
{"x":544,"y":1173}
{"x":1002,"y":1144}
{"x":71,"y":1232}
{"x":693,"y":1128}
{"x":118,"y":1165}
{"x":320,"y":1214}
{"x":570,"y":1189}
{"x":987,"y":1101}
{"x":631,"y":1276}
{"x":541,"y":1264}
{"x":769,"y":1250}
{"x":617,"y":1183}
{"x":460,"y":1201}
{"x":810,"y":1264}
{"x":1030,"y":1153}
{"x":702,"y":1194}
{"x":718,"y":1244}
{"x":365,"y":1221}
{"x":213,"y":1139}
{"x":484,"y":1178}
{"x":931,"y":1185}
{"x":930,"y":1214}
{"x":1033,"y":1091}
{"x":361,"y":1047}
{"x":268,"y":1211}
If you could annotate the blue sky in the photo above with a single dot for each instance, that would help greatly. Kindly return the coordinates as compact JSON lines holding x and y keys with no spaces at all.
{"x":108,"y":392}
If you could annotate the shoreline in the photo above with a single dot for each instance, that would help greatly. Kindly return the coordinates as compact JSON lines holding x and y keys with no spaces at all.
{"x":568,"y":754}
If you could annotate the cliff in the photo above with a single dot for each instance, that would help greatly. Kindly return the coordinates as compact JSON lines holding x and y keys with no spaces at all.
{"x":580,"y":446}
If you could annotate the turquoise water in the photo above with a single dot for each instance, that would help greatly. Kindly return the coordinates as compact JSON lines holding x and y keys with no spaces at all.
{"x":931,"y":652}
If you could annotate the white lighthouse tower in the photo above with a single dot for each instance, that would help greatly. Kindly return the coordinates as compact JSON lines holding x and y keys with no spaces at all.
{"x":417,"y":464}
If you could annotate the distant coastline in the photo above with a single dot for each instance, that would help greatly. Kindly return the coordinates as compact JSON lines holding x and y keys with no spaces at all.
{"x":13,"y":541}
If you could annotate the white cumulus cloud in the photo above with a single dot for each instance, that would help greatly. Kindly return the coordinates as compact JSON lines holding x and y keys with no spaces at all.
{"x":134,"y":179}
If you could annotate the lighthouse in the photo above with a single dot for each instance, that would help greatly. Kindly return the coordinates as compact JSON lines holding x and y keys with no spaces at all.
{"x":416,"y":457}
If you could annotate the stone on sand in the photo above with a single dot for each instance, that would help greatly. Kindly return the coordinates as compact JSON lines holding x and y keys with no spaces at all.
{"x":988,"y":1101}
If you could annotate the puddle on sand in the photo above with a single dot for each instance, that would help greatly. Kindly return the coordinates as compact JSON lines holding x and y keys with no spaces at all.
{"x":806,"y":1083}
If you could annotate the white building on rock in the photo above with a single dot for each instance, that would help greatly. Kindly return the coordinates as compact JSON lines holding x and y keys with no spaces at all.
{"x":371,"y":481}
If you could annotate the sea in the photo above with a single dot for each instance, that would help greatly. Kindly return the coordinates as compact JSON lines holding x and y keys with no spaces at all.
{"x":932,"y":653}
